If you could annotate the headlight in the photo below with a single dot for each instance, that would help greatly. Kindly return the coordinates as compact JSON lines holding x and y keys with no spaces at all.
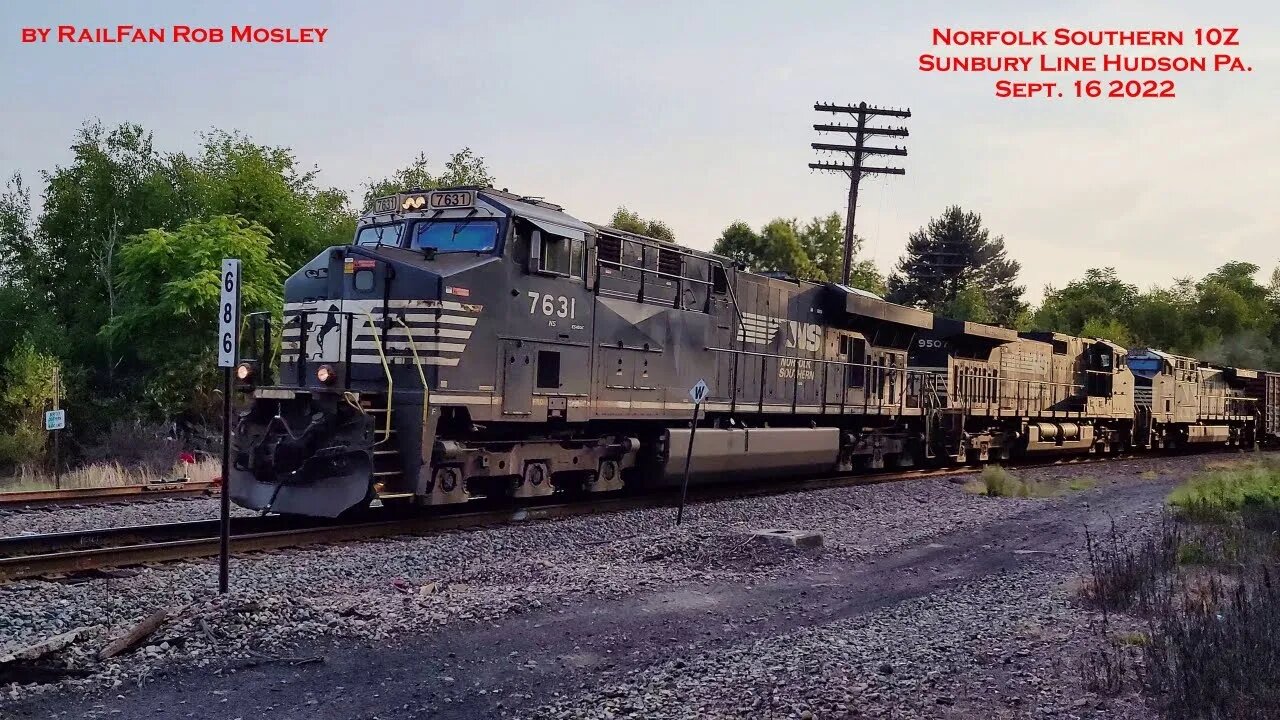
{"x":324,"y":374}
{"x":244,"y":372}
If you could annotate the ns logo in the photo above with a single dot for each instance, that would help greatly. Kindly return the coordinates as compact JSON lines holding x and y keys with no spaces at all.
{"x":765,"y":329}
{"x":804,"y":336}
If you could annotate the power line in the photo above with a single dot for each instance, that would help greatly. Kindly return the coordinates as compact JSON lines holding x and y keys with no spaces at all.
{"x":856,"y":152}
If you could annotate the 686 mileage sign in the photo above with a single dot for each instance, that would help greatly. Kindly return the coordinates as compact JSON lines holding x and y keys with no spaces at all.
{"x":228,"y":313}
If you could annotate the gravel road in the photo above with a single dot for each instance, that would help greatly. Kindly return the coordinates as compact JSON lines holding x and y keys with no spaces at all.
{"x":926,"y":601}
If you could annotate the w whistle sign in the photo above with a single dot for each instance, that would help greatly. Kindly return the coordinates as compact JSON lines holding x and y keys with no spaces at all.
{"x":698,"y":392}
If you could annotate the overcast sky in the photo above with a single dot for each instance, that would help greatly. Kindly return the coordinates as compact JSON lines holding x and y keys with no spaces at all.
{"x":699,"y":113}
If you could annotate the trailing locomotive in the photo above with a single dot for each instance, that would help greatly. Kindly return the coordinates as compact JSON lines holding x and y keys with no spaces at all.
{"x":473,"y":343}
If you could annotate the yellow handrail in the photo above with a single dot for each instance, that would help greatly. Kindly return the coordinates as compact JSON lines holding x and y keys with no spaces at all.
{"x":426,"y":391}
{"x":386,"y":368}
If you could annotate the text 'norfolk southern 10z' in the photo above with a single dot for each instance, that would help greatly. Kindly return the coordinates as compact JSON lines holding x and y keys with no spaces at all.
{"x":475,"y":343}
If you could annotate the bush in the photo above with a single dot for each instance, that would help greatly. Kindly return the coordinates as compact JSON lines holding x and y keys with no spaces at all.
{"x":27,"y":390}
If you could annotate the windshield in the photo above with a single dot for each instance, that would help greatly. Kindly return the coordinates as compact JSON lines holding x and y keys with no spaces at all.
{"x":457,"y":235}
{"x":381,"y":235}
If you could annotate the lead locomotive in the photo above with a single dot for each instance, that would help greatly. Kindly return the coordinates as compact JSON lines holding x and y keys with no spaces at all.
{"x":473,"y":343}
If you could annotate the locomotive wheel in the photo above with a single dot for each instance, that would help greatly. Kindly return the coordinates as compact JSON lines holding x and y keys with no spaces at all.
{"x":534,"y":482}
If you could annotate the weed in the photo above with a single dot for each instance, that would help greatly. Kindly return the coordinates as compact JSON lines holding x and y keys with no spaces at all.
{"x":995,"y":481}
{"x":1080,"y":484}
{"x":1134,"y":639}
{"x":1206,"y":586}
{"x":1150,"y":475}
{"x":1226,"y":489}
{"x":1192,"y":552}
{"x":1000,"y":482}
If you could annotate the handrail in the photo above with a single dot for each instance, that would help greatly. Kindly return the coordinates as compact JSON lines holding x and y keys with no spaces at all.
{"x":386,"y":368}
{"x":426,"y":390}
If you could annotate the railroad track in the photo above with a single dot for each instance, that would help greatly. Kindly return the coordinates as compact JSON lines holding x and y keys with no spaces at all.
{"x":120,"y":493}
{"x":33,"y":556}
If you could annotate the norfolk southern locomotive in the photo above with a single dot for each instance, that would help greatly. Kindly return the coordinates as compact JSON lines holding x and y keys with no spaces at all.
{"x":473,"y":343}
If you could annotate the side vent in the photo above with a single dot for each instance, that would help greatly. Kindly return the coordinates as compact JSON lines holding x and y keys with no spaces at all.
{"x":668,"y":262}
{"x":610,"y":249}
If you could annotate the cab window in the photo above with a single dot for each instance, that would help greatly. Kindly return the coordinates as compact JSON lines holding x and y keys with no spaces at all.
{"x":561,"y":255}
{"x":375,"y":235}
{"x":456,"y":235}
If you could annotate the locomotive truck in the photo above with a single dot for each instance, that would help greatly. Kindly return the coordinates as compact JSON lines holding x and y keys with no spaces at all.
{"x":475,"y":343}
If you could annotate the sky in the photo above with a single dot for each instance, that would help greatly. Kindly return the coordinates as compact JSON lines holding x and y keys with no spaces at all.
{"x":700,"y":113}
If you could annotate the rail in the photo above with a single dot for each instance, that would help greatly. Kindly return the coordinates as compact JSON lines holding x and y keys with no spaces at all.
{"x":119,"y":493}
{"x":36,"y":556}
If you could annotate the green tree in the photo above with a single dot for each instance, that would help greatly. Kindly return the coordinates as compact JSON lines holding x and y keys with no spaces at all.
{"x":813,"y":251}
{"x":950,"y":253}
{"x":970,"y":303}
{"x":1107,"y":329}
{"x":464,"y":167}
{"x":169,"y":281}
{"x":233,"y":175}
{"x":115,"y":186}
{"x":624,"y":219}
{"x":1100,"y":295}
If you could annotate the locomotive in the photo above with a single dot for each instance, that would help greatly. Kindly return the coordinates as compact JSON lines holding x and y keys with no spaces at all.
{"x":475,"y":343}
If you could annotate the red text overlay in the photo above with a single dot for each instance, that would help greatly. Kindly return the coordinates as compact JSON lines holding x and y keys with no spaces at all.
{"x":134,"y":34}
{"x":1078,"y":63}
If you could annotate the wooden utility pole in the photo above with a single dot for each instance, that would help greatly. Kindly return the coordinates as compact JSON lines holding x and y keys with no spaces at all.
{"x":855,"y":169}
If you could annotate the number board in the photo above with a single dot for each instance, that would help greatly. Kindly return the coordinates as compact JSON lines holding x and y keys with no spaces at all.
{"x":452,"y":199}
{"x":386,"y":204}
{"x":228,"y":313}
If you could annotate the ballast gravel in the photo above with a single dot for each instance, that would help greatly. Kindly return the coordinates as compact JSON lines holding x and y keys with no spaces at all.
{"x":55,"y":519}
{"x":384,"y":589}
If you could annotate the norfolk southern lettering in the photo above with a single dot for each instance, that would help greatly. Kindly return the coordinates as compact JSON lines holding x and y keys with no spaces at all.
{"x":1060,"y":36}
{"x":181,"y":34}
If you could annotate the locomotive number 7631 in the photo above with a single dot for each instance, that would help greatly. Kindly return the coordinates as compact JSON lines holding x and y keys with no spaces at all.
{"x":559,"y":306}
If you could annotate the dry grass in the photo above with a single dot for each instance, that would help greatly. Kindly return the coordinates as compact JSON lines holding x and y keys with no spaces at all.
{"x":110,"y":474}
{"x":1150,"y":475}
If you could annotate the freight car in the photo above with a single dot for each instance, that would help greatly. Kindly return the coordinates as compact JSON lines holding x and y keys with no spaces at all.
{"x":473,"y":343}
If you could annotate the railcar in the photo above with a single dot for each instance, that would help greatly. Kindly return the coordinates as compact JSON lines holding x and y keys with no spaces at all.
{"x":472,"y":343}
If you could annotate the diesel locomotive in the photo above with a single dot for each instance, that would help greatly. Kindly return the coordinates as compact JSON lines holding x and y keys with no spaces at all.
{"x":474,"y":343}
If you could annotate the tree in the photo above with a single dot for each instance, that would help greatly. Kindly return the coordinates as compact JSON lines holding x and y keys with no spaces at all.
{"x":1099,"y":296}
{"x":116,"y":185}
{"x":624,"y":219}
{"x":233,"y":175}
{"x":813,"y":251}
{"x":970,"y":303}
{"x":170,"y":283}
{"x":464,"y":167}
{"x":952,"y":252}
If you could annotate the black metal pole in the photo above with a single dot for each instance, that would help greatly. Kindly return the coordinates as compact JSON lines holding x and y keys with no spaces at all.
{"x":688,"y":456}
{"x":224,"y":557}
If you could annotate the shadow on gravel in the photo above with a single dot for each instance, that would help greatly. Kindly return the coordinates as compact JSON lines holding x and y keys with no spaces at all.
{"x":1192,"y":614}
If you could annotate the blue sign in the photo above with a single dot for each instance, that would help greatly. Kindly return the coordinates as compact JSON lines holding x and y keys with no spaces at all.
{"x":55,"y":419}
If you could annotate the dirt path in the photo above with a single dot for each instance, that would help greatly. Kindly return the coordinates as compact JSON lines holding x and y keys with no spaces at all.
{"x":553,"y":661}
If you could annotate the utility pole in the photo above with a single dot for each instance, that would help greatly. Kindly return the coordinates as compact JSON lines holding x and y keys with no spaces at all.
{"x":858,"y":132}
